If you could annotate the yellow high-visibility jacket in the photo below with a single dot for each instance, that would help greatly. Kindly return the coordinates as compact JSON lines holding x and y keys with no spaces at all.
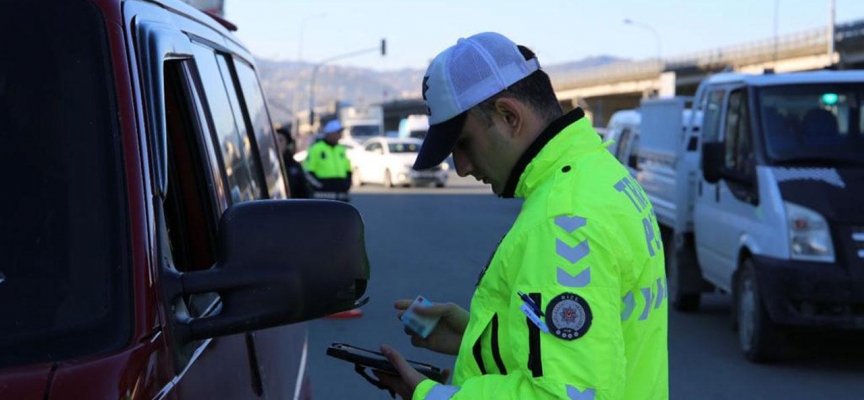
{"x":326,"y":161}
{"x":587,"y":250}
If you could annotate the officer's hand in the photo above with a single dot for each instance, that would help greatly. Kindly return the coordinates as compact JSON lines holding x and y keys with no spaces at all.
{"x":406,"y":382}
{"x":447,"y":335}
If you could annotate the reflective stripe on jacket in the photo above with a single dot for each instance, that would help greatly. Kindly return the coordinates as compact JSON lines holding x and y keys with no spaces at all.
{"x":586,"y":249}
{"x":326,"y":161}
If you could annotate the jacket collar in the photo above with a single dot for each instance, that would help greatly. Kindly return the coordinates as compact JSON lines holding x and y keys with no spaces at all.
{"x":539,"y":144}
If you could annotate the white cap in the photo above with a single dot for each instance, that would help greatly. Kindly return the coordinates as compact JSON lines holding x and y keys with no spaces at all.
{"x":461,"y":77}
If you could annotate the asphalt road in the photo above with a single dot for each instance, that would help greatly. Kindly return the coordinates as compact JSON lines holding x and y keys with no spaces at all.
{"x":435,"y":241}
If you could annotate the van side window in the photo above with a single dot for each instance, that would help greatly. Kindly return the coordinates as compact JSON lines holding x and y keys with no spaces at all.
{"x":633,"y":158}
{"x":190,"y":207}
{"x":739,"y":144}
{"x":261,"y":129}
{"x":623,"y":142}
{"x":241,"y":180}
{"x":248,"y":152}
{"x":711,"y":119}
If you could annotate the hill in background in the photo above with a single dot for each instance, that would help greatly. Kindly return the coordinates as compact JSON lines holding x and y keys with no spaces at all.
{"x":283,"y":80}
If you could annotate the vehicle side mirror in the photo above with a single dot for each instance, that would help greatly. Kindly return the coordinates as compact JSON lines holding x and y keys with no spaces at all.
{"x":712,"y":161}
{"x":279,"y":262}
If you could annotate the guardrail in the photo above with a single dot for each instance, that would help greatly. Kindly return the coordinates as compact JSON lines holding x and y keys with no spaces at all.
{"x":799,"y":44}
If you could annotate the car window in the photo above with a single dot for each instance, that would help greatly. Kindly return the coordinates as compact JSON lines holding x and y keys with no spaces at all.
{"x":623,"y":142}
{"x":739,"y":142}
{"x":373,"y":146}
{"x":711,"y":119}
{"x":262,"y":129}
{"x":241,"y":181}
{"x":248,"y":152}
{"x":65,"y":286}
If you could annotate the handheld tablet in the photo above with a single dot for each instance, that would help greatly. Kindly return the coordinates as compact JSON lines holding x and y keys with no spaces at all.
{"x":376,"y":360}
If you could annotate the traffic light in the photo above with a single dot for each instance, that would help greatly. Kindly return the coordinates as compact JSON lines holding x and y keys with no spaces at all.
{"x":383,"y":47}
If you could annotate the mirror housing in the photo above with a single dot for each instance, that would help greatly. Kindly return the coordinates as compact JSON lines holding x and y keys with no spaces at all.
{"x":279,"y":262}
{"x":712,"y":161}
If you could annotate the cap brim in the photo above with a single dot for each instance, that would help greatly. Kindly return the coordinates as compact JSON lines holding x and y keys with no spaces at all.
{"x":439,"y":142}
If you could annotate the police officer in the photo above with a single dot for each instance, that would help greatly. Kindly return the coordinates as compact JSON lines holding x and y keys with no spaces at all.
{"x":572,"y":304}
{"x":327,"y":165}
{"x":297,"y":183}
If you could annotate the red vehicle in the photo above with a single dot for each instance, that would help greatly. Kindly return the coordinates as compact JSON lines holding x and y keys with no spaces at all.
{"x":148,"y":249}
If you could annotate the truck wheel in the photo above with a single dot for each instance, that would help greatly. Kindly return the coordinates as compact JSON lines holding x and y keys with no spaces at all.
{"x":757,"y":334}
{"x":684,"y":302}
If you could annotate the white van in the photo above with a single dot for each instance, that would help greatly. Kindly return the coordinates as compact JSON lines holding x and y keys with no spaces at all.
{"x":623,"y":133}
{"x":414,"y":126}
{"x":761,"y":195}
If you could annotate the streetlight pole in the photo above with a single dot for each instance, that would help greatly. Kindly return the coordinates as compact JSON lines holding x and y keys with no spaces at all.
{"x":382,"y":48}
{"x":295,"y":125}
{"x":776,"y":31}
{"x":831,"y":16}
{"x":302,"y":27}
{"x":649,"y":28}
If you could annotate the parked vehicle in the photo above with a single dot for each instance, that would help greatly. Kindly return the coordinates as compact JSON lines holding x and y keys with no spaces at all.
{"x":623,"y":132}
{"x":389,"y":162}
{"x":760,"y":196}
{"x":414,"y":126}
{"x":148,"y":251}
{"x":361,"y":131}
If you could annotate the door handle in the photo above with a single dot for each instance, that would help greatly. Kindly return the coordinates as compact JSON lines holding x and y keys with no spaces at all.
{"x":717,"y":192}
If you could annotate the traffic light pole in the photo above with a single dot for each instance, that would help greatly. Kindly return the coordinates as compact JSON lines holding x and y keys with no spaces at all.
{"x":382,"y":48}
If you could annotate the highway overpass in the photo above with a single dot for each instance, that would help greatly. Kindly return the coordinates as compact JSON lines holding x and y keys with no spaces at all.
{"x":603,"y":90}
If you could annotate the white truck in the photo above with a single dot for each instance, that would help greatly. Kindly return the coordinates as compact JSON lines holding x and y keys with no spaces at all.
{"x":414,"y":126}
{"x":759,"y":192}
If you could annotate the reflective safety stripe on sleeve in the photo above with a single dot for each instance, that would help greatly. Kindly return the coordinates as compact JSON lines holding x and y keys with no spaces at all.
{"x":629,"y":305}
{"x":576,"y":394}
{"x":441,"y":392}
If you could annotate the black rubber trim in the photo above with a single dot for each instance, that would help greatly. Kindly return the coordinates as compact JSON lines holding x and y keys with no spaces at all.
{"x":496,"y":350}
{"x":478,"y":355}
{"x":535,"y":360}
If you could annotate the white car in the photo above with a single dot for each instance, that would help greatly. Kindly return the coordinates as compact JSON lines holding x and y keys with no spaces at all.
{"x":388,"y":161}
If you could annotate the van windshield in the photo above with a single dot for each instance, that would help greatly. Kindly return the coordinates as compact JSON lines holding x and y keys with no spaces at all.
{"x":814,"y":124}
{"x":64,"y":286}
{"x":365,"y":130}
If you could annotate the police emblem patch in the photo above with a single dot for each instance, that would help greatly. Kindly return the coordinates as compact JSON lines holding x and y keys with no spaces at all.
{"x":568,"y":316}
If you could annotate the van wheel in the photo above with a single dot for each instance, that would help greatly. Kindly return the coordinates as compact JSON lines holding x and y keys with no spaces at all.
{"x":440,"y":185}
{"x":684,"y":302}
{"x":388,"y":180}
{"x":757,"y":334}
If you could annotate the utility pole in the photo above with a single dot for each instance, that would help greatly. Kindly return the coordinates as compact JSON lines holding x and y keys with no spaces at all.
{"x":382,"y":48}
{"x":294,"y":120}
{"x":831,"y":17}
{"x":653,"y":31}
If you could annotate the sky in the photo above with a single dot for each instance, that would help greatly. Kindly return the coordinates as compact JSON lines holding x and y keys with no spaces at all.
{"x":557,"y":30}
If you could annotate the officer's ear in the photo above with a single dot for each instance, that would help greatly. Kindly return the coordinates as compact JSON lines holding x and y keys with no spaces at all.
{"x":512,"y":113}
